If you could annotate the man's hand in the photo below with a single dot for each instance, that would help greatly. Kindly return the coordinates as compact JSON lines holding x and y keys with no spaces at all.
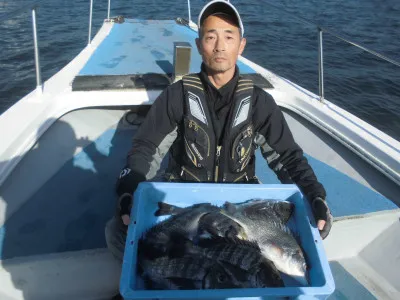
{"x":322,"y":216}
{"x":125,"y":205}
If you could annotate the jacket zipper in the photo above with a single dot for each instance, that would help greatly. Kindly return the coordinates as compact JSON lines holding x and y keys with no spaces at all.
{"x":217,"y":163}
{"x":190,"y":173}
{"x":241,"y":176}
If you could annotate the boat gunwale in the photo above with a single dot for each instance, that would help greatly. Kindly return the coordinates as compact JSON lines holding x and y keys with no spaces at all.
{"x":287,"y":94}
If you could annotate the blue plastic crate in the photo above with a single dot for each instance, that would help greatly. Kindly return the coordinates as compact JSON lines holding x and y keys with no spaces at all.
{"x":184,"y":194}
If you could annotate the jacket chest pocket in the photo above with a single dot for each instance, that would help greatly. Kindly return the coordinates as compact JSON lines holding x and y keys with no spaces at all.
{"x":242,"y":149}
{"x":197,"y":143}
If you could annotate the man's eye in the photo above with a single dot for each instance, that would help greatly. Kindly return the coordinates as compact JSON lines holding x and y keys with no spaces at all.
{"x":209,"y":38}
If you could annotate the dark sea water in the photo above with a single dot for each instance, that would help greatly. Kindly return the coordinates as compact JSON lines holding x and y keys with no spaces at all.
{"x":355,"y":80}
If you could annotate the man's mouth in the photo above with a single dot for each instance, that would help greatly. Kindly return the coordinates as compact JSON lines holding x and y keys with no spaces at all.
{"x":219,"y":59}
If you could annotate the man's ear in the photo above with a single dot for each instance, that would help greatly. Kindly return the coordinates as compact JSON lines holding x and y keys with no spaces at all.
{"x":242,"y":45}
{"x":198,"y":44}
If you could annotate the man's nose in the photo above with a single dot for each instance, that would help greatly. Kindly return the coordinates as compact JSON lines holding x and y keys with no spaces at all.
{"x":219,"y":45}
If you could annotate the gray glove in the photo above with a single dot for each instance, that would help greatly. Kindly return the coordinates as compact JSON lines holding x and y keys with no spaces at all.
{"x":321,"y":212}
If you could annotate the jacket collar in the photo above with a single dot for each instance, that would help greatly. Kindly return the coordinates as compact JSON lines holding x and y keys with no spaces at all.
{"x":227,"y":88}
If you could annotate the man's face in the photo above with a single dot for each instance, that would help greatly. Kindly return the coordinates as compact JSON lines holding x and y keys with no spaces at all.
{"x":220,"y":44}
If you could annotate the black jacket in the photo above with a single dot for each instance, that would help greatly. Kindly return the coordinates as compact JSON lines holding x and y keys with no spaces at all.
{"x":162,"y":132}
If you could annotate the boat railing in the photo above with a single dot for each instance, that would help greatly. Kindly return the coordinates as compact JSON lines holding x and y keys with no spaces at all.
{"x":33,"y":8}
{"x":90,"y":22}
{"x":36,"y":47}
{"x":321,"y":30}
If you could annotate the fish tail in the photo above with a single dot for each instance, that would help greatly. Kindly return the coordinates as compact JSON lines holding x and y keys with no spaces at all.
{"x":165,"y":209}
{"x":229,"y":207}
{"x":285,"y":210}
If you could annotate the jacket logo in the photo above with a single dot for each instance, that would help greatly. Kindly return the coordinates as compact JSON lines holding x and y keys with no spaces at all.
{"x":124,"y":172}
{"x":242,"y":112}
{"x":196,"y":109}
{"x":197,"y":151}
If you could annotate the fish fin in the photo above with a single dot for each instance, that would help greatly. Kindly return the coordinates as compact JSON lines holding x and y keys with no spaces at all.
{"x":205,"y":226}
{"x":215,"y":224}
{"x":282,"y":210}
{"x":257,"y":209}
{"x":240,"y":230}
{"x":285,"y":210}
{"x":240,"y":226}
{"x":236,"y":232}
{"x":229,"y":207}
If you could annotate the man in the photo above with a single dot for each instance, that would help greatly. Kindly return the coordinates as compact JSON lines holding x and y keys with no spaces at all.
{"x":211,"y":123}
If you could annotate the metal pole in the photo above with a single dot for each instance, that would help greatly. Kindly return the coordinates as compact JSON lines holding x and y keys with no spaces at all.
{"x":109,"y":7}
{"x":190,"y":17}
{"x":35,"y":43}
{"x":321,"y":65}
{"x":90,"y":21}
